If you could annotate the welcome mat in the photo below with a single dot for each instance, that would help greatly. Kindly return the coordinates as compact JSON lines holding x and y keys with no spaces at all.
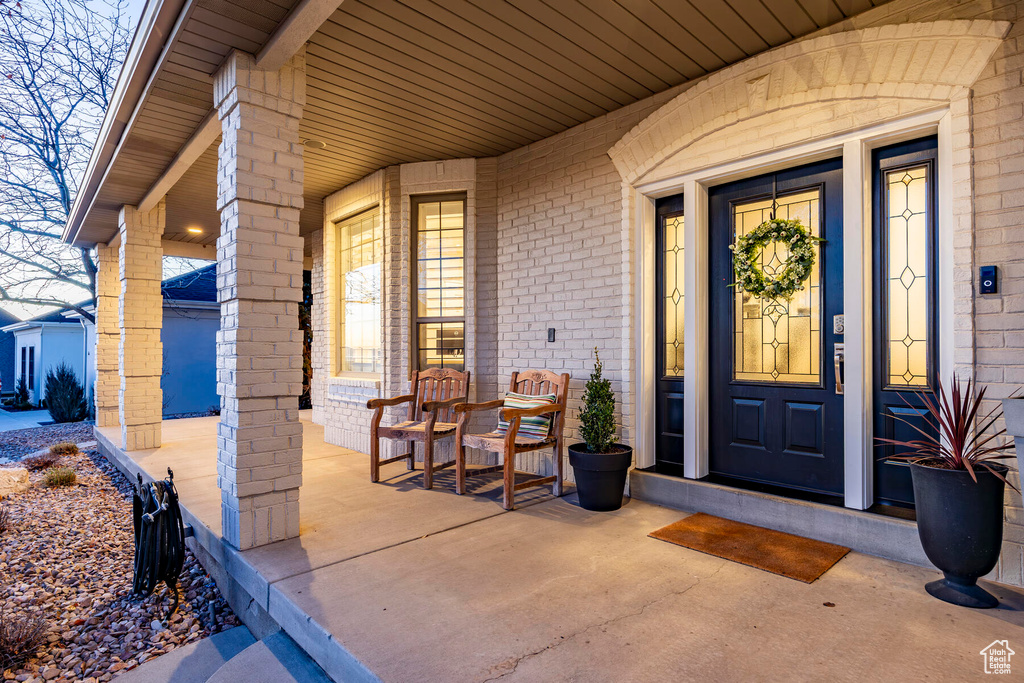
{"x":780,"y":553}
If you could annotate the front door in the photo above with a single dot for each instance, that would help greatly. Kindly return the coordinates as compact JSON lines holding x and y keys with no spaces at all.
{"x":776,"y":414}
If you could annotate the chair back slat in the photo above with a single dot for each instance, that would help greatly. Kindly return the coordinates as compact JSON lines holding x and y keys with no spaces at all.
{"x":437,"y":384}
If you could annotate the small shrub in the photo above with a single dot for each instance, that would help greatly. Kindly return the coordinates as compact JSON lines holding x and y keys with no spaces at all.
{"x":58,"y":476}
{"x":5,"y":519}
{"x":597,"y":416}
{"x":21,"y":392}
{"x":64,"y":448}
{"x":20,"y":637}
{"x":65,"y":395}
{"x":42,"y":461}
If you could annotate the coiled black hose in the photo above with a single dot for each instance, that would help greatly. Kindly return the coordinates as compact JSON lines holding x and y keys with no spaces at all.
{"x":159,"y":538}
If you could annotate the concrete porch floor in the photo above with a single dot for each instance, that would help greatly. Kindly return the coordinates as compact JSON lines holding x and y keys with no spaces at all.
{"x":391,"y":582}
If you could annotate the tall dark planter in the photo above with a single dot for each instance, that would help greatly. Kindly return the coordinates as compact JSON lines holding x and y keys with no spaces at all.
{"x":600,"y":477}
{"x":960,"y":523}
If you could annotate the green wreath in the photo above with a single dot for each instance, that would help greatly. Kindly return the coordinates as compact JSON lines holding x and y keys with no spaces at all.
{"x":794,"y":271}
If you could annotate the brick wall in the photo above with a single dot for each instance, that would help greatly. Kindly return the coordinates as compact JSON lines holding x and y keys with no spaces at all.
{"x":563,"y":263}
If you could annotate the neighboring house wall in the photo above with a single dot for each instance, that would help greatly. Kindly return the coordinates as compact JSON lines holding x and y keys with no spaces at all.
{"x":53,"y":344}
{"x":26,"y":339}
{"x":189,"y":339}
{"x":7,"y":345}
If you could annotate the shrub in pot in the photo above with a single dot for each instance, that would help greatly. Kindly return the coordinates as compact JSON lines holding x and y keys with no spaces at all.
{"x":958,"y":490}
{"x":599,"y":464}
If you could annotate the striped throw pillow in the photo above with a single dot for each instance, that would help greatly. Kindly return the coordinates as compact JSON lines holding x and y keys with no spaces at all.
{"x":537,"y":426}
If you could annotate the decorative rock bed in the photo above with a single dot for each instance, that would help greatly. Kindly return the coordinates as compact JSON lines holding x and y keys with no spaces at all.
{"x":68,"y":558}
{"x":20,"y":442}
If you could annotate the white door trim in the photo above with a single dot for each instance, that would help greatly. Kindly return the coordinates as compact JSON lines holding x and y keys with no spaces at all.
{"x":855,"y":147}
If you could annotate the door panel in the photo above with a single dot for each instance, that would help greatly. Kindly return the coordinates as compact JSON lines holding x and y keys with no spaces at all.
{"x":775,"y":417}
{"x":905,"y":325}
{"x":671,"y":296}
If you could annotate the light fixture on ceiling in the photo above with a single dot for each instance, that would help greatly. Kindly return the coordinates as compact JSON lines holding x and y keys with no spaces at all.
{"x":195,"y":230}
{"x":315,"y":144}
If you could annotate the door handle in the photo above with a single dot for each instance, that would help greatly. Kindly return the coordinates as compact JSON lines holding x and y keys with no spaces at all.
{"x":839,"y":356}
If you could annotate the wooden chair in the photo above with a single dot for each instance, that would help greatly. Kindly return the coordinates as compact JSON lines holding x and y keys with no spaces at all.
{"x":434,"y":392}
{"x":510,"y":444}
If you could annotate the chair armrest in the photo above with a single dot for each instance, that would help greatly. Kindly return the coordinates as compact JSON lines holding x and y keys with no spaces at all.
{"x":431,"y":406}
{"x":509,"y":413}
{"x":381,"y":402}
{"x":470,"y":407}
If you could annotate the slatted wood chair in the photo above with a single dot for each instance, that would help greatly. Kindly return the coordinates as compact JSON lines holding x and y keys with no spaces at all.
{"x":434,"y":392}
{"x":510,"y":444}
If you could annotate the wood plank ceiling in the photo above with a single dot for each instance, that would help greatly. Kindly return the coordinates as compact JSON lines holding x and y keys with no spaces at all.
{"x":396,"y":81}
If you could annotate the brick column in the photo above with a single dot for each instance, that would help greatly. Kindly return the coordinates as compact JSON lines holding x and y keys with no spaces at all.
{"x":259,"y":283}
{"x":141,"y":316}
{"x":106,"y":392}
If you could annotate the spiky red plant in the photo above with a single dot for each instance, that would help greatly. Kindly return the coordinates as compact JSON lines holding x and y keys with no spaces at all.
{"x":953,"y":441}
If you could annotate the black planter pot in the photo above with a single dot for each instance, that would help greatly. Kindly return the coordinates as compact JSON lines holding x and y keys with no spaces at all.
{"x":600,"y":477}
{"x":960,"y":523}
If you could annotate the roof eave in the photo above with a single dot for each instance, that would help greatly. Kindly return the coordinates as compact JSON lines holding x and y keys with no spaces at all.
{"x":155,"y":29}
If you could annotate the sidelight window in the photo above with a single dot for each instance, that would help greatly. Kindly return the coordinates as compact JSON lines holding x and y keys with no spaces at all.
{"x":906,"y":240}
{"x":674,"y":293}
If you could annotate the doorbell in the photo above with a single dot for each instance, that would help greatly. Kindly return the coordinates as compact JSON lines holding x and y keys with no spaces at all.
{"x":988,"y":283}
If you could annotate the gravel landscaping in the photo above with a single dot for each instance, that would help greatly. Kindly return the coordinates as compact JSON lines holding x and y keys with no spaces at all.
{"x":16,"y":444}
{"x":68,"y":558}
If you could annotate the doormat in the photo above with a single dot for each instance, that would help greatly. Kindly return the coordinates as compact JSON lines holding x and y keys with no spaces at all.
{"x":780,"y":553}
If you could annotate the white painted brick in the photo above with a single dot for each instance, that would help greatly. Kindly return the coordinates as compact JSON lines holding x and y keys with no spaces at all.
{"x":259,"y":282}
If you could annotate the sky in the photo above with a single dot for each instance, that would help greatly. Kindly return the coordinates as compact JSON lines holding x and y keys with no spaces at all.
{"x":135,"y":8}
{"x":172,"y":266}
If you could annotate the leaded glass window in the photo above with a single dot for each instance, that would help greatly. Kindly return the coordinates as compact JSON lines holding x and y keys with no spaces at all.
{"x":674,"y":296}
{"x":779,"y":340}
{"x":906,"y":244}
{"x":440,"y":282}
{"x":360,"y":253}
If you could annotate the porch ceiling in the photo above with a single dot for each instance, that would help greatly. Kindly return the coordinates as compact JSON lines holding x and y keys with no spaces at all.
{"x":396,"y":81}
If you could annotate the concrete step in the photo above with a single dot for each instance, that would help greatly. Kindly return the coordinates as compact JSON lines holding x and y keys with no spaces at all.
{"x":865,"y":532}
{"x":275,"y":659}
{"x":193,"y":663}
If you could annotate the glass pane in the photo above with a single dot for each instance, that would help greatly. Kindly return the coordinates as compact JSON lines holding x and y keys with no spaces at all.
{"x":441,"y":345}
{"x":673,"y":303}
{"x":360,"y":252}
{"x":906,"y":243}
{"x":440,"y":280}
{"x":779,"y":340}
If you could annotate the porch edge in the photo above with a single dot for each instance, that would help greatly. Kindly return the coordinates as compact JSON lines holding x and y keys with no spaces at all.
{"x":259,"y":607}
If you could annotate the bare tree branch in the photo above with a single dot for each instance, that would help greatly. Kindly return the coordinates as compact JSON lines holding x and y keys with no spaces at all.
{"x":59,"y":61}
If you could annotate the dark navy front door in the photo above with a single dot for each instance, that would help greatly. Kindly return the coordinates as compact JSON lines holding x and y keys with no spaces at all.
{"x":776,"y":418}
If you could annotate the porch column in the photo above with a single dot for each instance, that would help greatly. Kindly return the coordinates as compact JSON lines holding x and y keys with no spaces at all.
{"x":259,"y":283}
{"x":106,"y":392}
{"x":141,"y":316}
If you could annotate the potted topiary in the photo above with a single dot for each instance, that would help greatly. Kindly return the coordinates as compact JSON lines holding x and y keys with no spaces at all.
{"x":600,"y":465}
{"x":958,"y":490}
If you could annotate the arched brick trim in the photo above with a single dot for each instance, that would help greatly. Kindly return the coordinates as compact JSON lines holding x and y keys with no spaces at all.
{"x":932,"y":61}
